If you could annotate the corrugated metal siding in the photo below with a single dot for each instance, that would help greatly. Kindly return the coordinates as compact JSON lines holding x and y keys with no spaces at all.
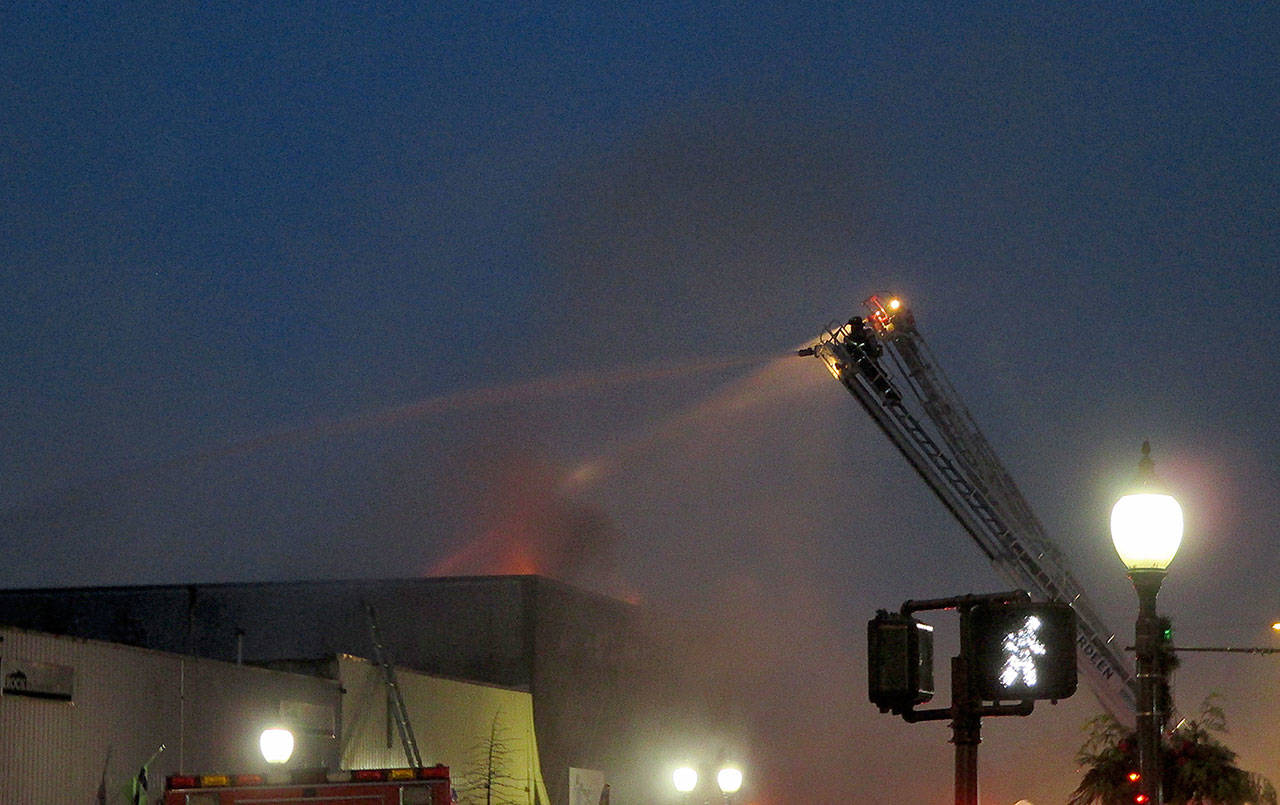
{"x":126,"y":703}
{"x":41,"y":732}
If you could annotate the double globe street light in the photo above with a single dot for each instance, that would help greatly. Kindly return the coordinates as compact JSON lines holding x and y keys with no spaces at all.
{"x":728,"y":780}
{"x":1146,"y":527}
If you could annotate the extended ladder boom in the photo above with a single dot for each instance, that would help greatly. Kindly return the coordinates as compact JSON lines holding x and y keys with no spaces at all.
{"x":955,"y":460}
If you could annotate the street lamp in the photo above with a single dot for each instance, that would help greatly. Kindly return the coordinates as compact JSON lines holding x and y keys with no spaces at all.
{"x":685,"y":779}
{"x":730,"y":780}
{"x":276,"y":744}
{"x":1146,"y":527}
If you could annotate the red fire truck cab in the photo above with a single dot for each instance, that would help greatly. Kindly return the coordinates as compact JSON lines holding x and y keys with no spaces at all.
{"x":422,"y":786}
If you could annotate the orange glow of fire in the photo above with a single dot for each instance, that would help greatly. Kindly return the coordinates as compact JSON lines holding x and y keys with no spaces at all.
{"x":501,"y":551}
{"x":515,"y":548}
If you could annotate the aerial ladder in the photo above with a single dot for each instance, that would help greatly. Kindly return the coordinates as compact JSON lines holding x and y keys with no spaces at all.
{"x":882,"y":360}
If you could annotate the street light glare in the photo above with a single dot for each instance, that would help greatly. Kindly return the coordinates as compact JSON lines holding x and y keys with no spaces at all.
{"x":1147,"y":530}
{"x":729,"y":779}
{"x":685,"y":778}
{"x":276,"y":744}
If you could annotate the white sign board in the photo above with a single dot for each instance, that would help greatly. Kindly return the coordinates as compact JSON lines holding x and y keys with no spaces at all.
{"x":585,"y":786}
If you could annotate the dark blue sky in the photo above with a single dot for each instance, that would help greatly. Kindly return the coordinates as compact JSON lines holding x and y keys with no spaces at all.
{"x":225,"y":229}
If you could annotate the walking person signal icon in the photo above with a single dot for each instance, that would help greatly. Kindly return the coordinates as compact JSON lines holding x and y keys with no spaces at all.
{"x":1023,"y":650}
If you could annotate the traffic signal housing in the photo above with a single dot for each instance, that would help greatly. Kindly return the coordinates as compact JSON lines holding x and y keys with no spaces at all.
{"x":899,"y":661}
{"x":1022,"y":650}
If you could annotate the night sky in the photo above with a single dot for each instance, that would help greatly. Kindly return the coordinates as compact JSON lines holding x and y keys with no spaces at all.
{"x":314,"y":291}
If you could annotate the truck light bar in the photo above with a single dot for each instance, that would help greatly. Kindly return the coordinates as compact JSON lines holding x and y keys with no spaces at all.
{"x":307,"y":777}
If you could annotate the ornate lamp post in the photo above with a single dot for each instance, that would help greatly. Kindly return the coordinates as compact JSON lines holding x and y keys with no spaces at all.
{"x":1146,"y":527}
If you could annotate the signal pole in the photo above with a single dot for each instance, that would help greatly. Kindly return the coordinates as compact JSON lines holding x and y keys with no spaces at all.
{"x":967,"y":708}
{"x":966,"y":731}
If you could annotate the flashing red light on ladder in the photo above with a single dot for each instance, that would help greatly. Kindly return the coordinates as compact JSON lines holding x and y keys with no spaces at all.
{"x":881,"y":317}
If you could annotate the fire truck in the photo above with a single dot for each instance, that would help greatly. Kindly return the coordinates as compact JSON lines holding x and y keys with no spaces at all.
{"x":427,"y":785}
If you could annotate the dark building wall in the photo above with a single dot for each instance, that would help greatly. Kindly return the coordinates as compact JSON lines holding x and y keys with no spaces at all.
{"x":589,"y":684}
{"x":470,"y":628}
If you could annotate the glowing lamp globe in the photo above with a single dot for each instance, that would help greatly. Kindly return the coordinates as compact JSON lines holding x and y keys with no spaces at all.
{"x":1147,"y":530}
{"x":729,"y":779}
{"x":276,"y":744}
{"x":685,"y":778}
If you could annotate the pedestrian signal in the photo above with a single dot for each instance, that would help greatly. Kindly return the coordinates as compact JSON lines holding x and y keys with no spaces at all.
{"x":1021,"y":651}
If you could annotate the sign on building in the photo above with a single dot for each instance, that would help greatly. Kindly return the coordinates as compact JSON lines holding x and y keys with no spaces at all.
{"x":39,"y":679}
